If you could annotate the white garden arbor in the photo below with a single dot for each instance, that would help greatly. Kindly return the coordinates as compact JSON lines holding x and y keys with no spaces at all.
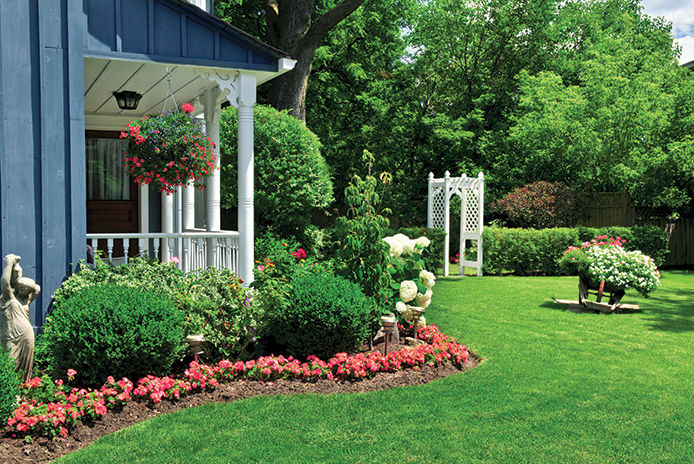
{"x":471,"y":193}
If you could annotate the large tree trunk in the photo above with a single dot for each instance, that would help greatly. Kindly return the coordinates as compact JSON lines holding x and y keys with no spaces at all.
{"x":290,"y":28}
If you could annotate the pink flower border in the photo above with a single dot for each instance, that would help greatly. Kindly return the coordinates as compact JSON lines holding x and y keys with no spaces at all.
{"x":56,"y":418}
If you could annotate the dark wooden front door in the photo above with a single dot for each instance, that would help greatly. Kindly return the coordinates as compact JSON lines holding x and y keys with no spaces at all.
{"x":112,"y":196}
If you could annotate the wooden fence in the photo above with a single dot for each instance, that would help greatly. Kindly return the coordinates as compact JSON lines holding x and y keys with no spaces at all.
{"x":617,"y":209}
{"x":681,"y":242}
{"x":608,"y":209}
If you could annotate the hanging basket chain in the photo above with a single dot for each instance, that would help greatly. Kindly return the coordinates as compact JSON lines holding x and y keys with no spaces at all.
{"x":169,"y":93}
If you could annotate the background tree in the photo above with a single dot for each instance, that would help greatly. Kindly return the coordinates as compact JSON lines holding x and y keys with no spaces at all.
{"x":294,"y":26}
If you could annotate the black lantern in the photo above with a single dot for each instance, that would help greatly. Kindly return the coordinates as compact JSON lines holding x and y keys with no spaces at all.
{"x":127,"y":100}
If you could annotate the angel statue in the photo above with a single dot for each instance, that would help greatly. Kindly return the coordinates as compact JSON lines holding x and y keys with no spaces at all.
{"x":16,"y":332}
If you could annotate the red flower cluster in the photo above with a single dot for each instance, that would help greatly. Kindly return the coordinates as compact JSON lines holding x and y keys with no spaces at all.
{"x":56,"y":417}
{"x":299,"y":254}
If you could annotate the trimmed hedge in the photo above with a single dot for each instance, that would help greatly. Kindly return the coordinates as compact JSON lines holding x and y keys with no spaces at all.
{"x":537,"y":251}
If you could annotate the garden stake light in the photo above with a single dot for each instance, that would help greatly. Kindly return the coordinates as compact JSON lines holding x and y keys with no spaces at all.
{"x":195,"y":342}
{"x":388,"y":324}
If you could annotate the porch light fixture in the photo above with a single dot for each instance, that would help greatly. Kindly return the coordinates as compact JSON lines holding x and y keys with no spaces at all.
{"x":127,"y":100}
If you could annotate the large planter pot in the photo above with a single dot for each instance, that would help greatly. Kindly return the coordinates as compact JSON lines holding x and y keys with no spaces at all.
{"x":586,"y":285}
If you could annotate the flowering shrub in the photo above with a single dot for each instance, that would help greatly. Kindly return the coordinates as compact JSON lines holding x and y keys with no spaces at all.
{"x":540,"y":205}
{"x":56,"y":415}
{"x":604,"y":259}
{"x":406,"y":266}
{"x":169,"y":149}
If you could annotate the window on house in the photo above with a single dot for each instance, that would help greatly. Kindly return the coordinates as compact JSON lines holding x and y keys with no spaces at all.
{"x":106,"y":177}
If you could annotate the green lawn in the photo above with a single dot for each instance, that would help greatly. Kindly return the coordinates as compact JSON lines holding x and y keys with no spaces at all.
{"x":556,"y":387}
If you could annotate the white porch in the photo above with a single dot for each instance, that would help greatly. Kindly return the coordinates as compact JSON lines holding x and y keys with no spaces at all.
{"x":190,"y":231}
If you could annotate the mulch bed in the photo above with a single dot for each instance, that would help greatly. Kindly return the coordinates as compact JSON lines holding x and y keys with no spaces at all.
{"x":15,"y":451}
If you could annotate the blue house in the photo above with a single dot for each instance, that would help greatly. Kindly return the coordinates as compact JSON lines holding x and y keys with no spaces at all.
{"x":62,"y":184}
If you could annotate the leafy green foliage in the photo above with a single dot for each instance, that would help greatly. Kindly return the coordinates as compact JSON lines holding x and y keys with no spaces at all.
{"x":221,"y":309}
{"x":109,"y":329}
{"x":363,"y":255}
{"x":326,"y":314}
{"x":291,"y":177}
{"x":532,"y":252}
{"x":9,"y":386}
{"x":540,"y":205}
{"x":138,"y":273}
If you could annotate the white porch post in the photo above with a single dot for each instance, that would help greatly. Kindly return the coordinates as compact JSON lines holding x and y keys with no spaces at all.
{"x":213,"y":111}
{"x":167,"y":221}
{"x":212,"y":114}
{"x":246,"y":102}
{"x":188,"y":207}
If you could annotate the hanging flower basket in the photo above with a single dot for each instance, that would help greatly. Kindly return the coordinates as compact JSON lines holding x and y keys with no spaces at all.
{"x":169,"y":150}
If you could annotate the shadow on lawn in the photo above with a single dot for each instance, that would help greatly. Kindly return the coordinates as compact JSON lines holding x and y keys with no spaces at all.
{"x":671,"y":311}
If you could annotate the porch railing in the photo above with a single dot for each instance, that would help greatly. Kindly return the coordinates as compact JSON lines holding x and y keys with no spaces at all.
{"x":194,"y":249}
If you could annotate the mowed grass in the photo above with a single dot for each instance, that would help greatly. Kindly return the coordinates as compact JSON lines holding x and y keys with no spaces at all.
{"x":555,"y":387}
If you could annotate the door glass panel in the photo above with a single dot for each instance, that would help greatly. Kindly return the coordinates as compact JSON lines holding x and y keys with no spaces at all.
{"x":106,"y":177}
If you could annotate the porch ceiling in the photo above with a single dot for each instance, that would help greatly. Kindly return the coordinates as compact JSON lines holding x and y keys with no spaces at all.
{"x":103,"y":76}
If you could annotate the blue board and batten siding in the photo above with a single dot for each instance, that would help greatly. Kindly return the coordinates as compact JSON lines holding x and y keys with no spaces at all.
{"x":174,"y":32}
{"x":42,"y":159}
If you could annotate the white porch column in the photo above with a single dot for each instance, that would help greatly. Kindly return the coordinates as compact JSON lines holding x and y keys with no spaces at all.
{"x":167,"y":220}
{"x":188,"y":207}
{"x":212,"y":113}
{"x":246,"y":101}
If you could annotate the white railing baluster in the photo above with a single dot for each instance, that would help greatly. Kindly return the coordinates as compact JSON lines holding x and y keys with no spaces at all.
{"x":186,"y":255}
{"x":141,"y":246}
{"x":156,"y":249}
{"x":126,"y":249}
{"x":109,"y":247}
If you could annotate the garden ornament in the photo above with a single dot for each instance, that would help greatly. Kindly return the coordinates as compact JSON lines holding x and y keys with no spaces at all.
{"x":16,"y":331}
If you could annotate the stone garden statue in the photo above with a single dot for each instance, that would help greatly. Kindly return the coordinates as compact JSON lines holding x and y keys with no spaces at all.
{"x":16,"y":332}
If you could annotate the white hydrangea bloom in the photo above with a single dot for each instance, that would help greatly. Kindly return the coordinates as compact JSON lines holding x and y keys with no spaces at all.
{"x":428,"y":278}
{"x":395,"y":246}
{"x":402,"y":238}
{"x":423,"y":242}
{"x":408,"y":290}
{"x":408,"y":247}
{"x":400,"y":307}
{"x":424,"y":300}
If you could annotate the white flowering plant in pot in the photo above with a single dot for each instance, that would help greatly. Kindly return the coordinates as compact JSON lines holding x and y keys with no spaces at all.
{"x":412,"y":283}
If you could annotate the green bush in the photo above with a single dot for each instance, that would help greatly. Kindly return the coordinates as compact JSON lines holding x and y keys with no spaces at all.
{"x":326,"y":314}
{"x":220,"y":308}
{"x":537,"y":251}
{"x":138,"y":273}
{"x":108,"y":329}
{"x":9,"y":386}
{"x":291,"y":176}
{"x":433,"y":255}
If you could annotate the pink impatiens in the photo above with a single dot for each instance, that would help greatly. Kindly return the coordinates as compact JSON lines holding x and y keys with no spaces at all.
{"x":55,"y":418}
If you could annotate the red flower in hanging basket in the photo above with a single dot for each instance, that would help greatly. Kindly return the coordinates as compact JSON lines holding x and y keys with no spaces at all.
{"x":169,"y":149}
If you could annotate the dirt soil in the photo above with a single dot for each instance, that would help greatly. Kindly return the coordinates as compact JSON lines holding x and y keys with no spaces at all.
{"x":15,"y":451}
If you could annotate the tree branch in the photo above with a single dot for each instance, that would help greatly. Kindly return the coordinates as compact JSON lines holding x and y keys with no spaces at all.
{"x":330,"y":19}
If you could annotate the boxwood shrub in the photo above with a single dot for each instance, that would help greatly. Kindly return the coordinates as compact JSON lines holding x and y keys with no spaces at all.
{"x":537,"y":251}
{"x":9,"y":386}
{"x":108,"y":329}
{"x":325,"y":314}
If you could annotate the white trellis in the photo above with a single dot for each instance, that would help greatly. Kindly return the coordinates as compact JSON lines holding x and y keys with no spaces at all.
{"x":471,"y":193}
